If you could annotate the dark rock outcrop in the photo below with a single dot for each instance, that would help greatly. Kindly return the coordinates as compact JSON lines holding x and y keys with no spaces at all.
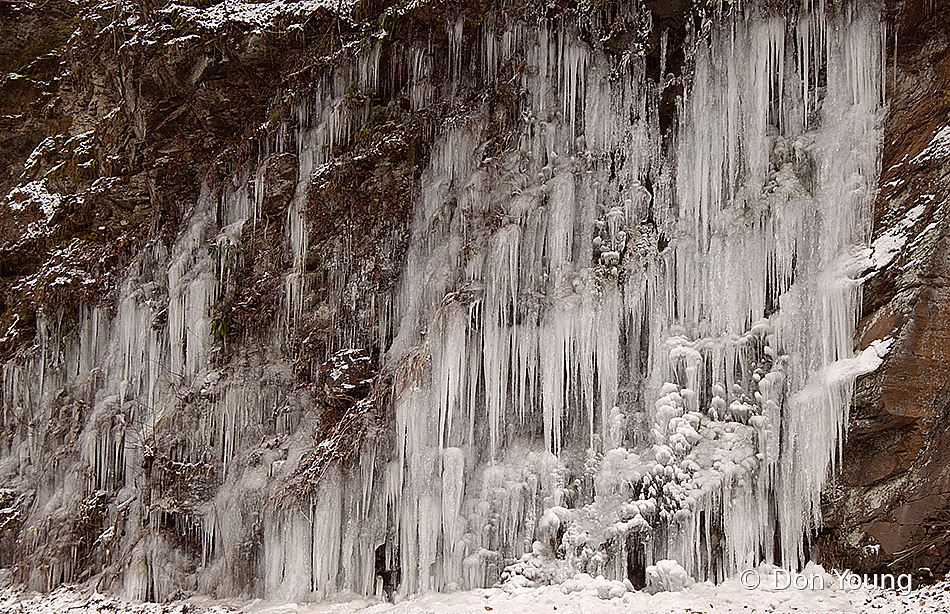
{"x":345,"y":378}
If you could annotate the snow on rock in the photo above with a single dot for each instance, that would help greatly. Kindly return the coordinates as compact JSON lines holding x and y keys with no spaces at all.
{"x":77,"y":601}
{"x":345,"y":377}
{"x":886,"y":247}
{"x":258,"y":15}
{"x":868,"y":360}
{"x":34,"y":193}
{"x":939,"y":147}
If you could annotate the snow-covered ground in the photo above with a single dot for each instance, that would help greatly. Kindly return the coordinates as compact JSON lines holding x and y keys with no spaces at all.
{"x":585,"y":598}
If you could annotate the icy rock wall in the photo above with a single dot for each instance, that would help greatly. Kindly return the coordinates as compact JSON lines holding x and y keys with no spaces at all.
{"x":175,"y":446}
{"x":611,"y":345}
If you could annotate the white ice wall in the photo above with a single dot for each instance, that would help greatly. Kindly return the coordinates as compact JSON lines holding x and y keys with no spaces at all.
{"x":535,"y":282}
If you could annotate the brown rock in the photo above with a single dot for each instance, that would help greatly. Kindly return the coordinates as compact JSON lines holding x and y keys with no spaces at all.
{"x":345,"y":378}
{"x":280,"y":181}
{"x":892,"y":497}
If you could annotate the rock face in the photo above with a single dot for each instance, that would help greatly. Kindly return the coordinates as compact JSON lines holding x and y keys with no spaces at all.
{"x":889,"y":509}
{"x":108,"y":121}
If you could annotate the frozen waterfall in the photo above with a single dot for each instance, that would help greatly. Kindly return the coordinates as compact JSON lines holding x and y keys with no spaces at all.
{"x":613,"y":342}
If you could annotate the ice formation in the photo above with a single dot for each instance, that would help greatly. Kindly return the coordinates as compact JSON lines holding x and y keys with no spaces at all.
{"x":630,"y":352}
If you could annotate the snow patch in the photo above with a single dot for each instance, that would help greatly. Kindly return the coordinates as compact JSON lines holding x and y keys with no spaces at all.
{"x":258,"y":15}
{"x":939,"y":147}
{"x":886,"y":247}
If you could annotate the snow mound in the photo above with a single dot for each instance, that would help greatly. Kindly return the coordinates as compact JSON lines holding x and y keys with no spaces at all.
{"x":667,"y":575}
{"x":604,"y":588}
